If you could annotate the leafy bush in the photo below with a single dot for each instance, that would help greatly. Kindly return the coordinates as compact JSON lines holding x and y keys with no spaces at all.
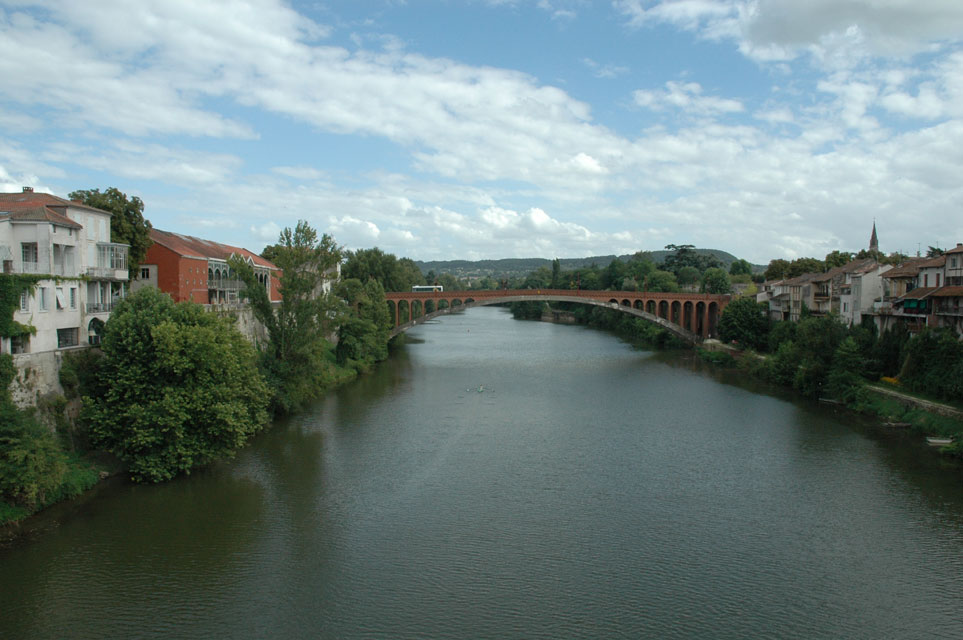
{"x":185,"y":388}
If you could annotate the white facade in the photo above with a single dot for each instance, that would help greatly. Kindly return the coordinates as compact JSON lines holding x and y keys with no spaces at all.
{"x":861,"y":293}
{"x":43,"y":234}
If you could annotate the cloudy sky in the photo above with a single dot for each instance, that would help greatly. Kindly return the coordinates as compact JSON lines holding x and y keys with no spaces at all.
{"x":500,"y":128}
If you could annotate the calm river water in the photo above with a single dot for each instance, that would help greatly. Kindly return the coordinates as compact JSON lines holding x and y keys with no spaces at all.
{"x":507,"y":479}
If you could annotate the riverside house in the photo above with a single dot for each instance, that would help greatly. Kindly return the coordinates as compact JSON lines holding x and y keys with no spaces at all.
{"x":85,"y":273}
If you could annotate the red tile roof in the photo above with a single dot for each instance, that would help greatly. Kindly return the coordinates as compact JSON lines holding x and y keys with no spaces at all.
{"x":908,"y":269}
{"x":32,"y":199}
{"x":919,"y":293}
{"x":192,"y":247}
{"x":36,"y":214}
{"x":948,"y":292}
{"x":938,"y":261}
{"x":957,"y":249}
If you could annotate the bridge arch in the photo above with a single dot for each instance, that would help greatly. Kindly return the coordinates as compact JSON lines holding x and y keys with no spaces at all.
{"x":691,"y":317}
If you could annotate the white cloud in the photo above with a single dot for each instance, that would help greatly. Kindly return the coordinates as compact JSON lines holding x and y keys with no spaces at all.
{"x":686,"y":97}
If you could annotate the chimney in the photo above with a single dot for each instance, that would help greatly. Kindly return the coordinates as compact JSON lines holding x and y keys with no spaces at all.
{"x":28,"y":189}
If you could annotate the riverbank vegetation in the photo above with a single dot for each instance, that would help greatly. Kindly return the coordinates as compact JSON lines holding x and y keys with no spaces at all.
{"x":822,"y":358}
{"x":174,"y":387}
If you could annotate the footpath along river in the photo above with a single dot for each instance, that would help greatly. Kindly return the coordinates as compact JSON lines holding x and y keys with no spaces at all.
{"x":506,"y":479}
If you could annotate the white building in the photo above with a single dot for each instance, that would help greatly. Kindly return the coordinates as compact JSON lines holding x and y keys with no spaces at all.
{"x":70,"y":243}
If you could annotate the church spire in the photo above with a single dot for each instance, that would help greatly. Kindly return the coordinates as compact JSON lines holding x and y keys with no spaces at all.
{"x":873,"y":240}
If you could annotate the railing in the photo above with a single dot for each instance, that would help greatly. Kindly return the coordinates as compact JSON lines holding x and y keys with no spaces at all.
{"x":100,"y":307}
{"x":29,"y":267}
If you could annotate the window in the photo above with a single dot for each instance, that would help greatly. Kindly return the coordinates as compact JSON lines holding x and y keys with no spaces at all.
{"x":145,"y":273}
{"x":937,"y":279}
{"x":20,"y":344}
{"x":44,"y":302}
{"x":59,"y":295}
{"x":67,"y":337}
{"x":25,"y":301}
{"x":28,"y":257}
{"x":845,"y":307}
{"x":73,"y":297}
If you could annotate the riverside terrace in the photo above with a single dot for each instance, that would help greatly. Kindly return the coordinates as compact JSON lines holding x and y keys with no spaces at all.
{"x":691,"y":316}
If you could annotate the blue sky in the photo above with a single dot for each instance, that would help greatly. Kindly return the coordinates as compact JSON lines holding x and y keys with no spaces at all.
{"x":488,"y":129}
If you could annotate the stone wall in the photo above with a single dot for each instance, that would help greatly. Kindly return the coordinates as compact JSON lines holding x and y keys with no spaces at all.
{"x":38,"y":375}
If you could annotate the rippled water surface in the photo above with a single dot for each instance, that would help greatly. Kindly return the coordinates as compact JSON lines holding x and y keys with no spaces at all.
{"x":506,"y":479}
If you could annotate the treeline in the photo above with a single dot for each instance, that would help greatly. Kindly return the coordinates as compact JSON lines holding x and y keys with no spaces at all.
{"x":174,"y":387}
{"x":819,"y":354}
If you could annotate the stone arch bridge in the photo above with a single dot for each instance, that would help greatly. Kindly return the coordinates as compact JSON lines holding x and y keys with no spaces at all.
{"x":690,"y":316}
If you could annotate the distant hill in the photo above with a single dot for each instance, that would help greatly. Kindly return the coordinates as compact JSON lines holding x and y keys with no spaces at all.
{"x":508,"y":267}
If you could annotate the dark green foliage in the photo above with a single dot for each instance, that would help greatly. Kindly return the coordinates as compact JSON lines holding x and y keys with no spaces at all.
{"x":127,"y":224}
{"x":686,"y":255}
{"x":11,"y":286}
{"x":745,"y":322}
{"x":294,"y":361}
{"x":716,"y":280}
{"x":392,"y":273}
{"x":185,"y":389}
{"x":661,"y":282}
{"x":740,"y":267}
{"x":800,"y":266}
{"x":837,"y":259}
{"x":777,"y":269}
{"x":888,"y":350}
{"x":363,"y":335}
{"x":80,"y":373}
{"x":32,"y":463}
{"x":688,"y":276}
{"x":527,"y":310}
{"x":934,"y":364}
{"x":845,"y":376}
{"x":718,"y":358}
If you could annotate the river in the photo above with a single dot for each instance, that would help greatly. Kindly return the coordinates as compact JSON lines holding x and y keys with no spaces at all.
{"x":506,"y":479}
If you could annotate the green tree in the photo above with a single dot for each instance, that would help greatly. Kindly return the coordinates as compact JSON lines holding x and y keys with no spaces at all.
{"x":740,"y":267}
{"x":837,"y":259}
{"x":844,"y":378}
{"x":293,"y":360}
{"x":686,"y":255}
{"x":688,"y":276}
{"x":716,"y":280}
{"x":777,"y":269}
{"x":392,"y":273}
{"x":185,"y":389}
{"x":746,"y":322}
{"x":662,"y":282}
{"x":127,"y":222}
{"x":363,"y":334}
{"x":800,"y":266}
{"x":556,"y":273}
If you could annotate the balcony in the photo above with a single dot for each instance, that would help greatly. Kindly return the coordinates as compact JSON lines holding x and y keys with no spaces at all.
{"x":111,"y":262}
{"x":29,"y":267}
{"x":100,"y":307}
{"x":950,"y":310}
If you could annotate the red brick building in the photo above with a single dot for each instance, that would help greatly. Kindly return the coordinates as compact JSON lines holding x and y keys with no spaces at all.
{"x":189,"y":268}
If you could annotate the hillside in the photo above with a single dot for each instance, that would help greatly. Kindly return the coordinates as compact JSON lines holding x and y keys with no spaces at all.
{"x":508,"y":267}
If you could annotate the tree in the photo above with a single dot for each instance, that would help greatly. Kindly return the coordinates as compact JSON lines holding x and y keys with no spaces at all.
{"x":363,"y":334}
{"x":686,"y":255}
{"x":800,"y":266}
{"x":688,"y":276}
{"x":293,"y":360}
{"x":556,"y":273}
{"x":662,"y":281}
{"x":393,"y":274}
{"x":777,"y":269}
{"x":746,"y":322}
{"x":716,"y":280}
{"x":127,"y":222}
{"x":185,"y":388}
{"x":837,"y":259}
{"x":740,"y":267}
{"x":844,"y":378}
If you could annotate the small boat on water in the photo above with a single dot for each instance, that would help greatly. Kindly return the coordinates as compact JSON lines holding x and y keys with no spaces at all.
{"x":938,"y":441}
